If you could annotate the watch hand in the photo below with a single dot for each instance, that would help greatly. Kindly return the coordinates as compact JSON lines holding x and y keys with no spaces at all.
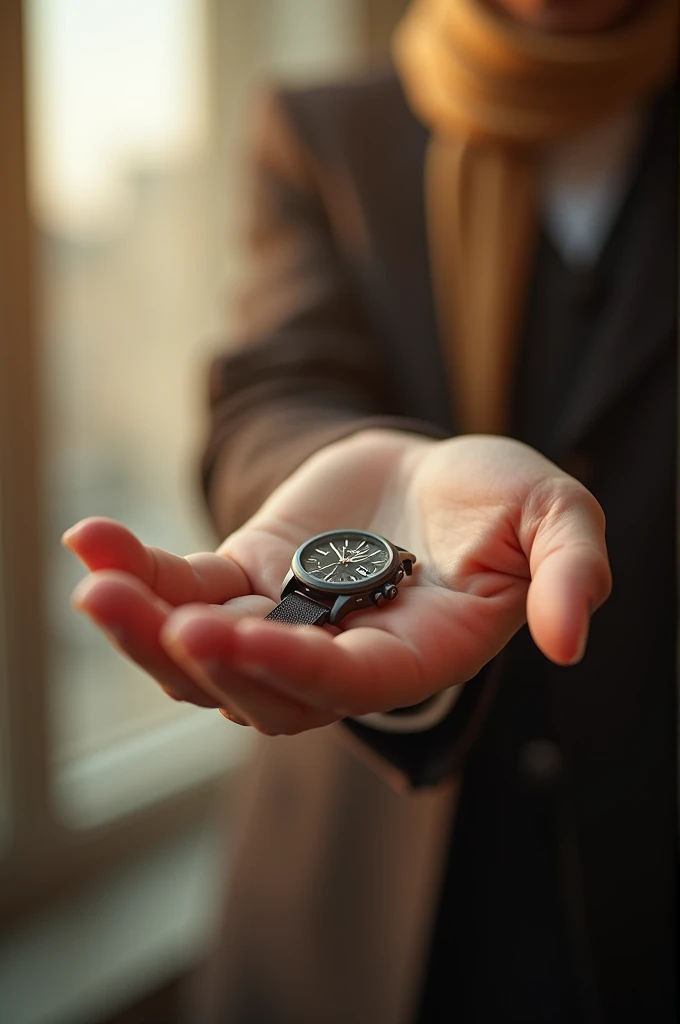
{"x":336,"y":551}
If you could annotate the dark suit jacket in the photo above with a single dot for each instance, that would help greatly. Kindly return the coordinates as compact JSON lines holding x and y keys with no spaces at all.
{"x":560,"y":891}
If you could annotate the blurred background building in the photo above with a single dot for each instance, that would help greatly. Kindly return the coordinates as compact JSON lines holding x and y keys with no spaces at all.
{"x":121,"y":131}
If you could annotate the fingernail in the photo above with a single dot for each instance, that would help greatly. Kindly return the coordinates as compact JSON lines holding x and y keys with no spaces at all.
{"x":231,"y":717}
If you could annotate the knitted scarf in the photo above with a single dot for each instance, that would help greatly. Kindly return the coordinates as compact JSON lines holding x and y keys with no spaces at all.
{"x":493,"y":94}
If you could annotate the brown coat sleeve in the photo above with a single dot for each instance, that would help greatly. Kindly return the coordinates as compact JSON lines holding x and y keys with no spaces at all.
{"x":302,"y":367}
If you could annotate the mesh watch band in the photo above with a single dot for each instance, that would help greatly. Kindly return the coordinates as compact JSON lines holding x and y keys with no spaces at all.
{"x":298,"y":610}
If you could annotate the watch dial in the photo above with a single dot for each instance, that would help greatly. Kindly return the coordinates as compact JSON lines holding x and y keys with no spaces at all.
{"x":348,"y":557}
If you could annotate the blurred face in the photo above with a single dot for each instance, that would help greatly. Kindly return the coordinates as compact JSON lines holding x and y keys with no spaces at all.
{"x":568,"y":15}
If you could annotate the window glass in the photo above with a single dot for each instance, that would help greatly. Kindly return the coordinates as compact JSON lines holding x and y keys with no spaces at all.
{"x":135,"y":111}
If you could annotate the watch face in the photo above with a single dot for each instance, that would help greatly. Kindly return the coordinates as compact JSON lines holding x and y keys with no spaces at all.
{"x":344,"y":559}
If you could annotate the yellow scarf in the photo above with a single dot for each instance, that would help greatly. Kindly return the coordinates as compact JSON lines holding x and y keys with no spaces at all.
{"x":493,"y":92}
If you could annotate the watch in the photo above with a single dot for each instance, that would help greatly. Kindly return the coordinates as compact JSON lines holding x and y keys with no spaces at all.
{"x":333,"y":574}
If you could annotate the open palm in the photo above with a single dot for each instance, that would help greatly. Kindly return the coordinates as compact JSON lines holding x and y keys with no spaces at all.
{"x":502,"y":536}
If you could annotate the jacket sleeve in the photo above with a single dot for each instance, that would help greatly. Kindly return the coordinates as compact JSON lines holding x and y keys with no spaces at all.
{"x":302,"y":369}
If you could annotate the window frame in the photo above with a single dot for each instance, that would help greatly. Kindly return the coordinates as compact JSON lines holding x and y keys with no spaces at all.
{"x":43,"y":859}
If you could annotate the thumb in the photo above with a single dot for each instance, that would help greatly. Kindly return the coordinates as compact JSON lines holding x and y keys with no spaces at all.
{"x":570,"y":572}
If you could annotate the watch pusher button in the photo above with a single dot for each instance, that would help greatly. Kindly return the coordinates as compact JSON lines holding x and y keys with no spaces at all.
{"x":399,"y":577}
{"x":378,"y":596}
{"x":390,"y":591}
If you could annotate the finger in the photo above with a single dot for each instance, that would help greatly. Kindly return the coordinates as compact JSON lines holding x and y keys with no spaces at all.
{"x":103,"y":543}
{"x":131,"y":616}
{"x":200,"y":639}
{"x":570,"y":574}
{"x":358,"y":671}
{"x":361,"y":670}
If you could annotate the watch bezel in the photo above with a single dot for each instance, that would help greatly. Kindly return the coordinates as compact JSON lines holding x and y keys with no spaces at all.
{"x":365,"y":586}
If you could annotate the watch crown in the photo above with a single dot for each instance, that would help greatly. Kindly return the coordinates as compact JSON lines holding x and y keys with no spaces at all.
{"x":390,"y":591}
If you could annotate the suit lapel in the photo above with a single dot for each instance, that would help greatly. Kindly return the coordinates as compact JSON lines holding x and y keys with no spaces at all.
{"x":398,"y":267}
{"x":638,"y":321}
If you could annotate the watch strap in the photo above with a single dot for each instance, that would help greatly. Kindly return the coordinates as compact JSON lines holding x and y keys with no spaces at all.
{"x":298,"y":610}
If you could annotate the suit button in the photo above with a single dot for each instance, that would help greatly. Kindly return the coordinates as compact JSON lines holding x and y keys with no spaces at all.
{"x":540,"y":763}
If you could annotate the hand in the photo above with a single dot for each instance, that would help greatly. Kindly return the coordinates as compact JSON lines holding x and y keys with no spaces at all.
{"x":501,"y":534}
